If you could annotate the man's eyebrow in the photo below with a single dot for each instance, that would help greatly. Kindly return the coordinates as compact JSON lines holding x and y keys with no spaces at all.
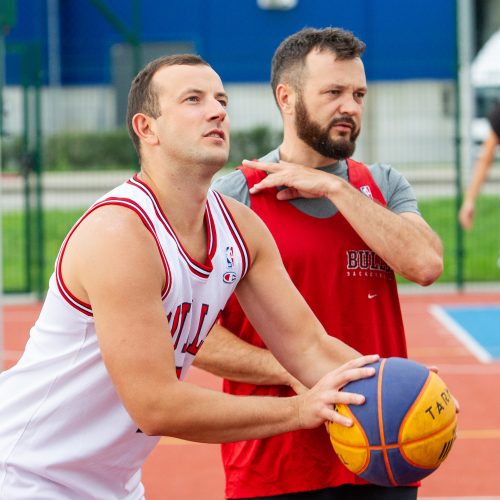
{"x":194,"y":90}
{"x":342,"y":86}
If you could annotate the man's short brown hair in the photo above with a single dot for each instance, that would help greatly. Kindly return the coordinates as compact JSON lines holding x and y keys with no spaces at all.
{"x":289,"y":59}
{"x":142,"y":97}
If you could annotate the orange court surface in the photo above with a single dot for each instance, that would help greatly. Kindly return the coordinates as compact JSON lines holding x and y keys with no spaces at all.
{"x":183,"y":470}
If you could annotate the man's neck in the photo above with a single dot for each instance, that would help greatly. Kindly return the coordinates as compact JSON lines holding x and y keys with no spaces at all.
{"x":182,"y":195}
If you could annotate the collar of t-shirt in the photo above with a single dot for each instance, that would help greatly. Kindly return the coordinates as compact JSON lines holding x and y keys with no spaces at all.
{"x":315,"y":207}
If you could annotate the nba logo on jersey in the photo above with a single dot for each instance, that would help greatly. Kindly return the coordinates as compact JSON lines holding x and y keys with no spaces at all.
{"x":366,"y":191}
{"x":229,"y":257}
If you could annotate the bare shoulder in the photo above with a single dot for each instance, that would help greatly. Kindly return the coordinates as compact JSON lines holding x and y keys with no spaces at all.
{"x":111,"y":243}
{"x":113,"y":227}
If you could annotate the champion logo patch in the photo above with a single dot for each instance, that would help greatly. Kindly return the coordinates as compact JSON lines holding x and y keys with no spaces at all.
{"x":229,"y":277}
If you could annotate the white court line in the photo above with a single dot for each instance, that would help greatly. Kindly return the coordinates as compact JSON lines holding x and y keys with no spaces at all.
{"x":461,"y":334}
{"x":475,"y":497}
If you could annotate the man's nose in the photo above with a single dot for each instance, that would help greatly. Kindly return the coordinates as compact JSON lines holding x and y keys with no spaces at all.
{"x":349,"y":106}
{"x":218,"y":111}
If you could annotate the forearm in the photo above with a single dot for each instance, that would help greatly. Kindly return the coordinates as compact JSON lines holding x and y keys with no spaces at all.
{"x":226,"y":355}
{"x":410,"y":248}
{"x":320,"y":357}
{"x":299,"y":332}
{"x":194,"y":413}
{"x":482,"y":167}
{"x":481,"y":170}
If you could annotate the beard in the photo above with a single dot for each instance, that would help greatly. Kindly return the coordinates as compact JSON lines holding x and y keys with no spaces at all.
{"x":319,"y":138}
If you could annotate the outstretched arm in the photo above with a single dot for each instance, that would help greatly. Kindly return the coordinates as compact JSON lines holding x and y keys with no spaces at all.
{"x":404,"y":241}
{"x":481,"y":169}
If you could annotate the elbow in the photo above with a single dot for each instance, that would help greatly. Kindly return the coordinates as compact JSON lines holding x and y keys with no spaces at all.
{"x":151,"y":424}
{"x":423,"y":269}
{"x":429,"y":271}
{"x":159,"y":415}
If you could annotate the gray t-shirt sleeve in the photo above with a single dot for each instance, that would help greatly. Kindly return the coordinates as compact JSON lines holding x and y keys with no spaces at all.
{"x":397,"y":191}
{"x":234,"y":185}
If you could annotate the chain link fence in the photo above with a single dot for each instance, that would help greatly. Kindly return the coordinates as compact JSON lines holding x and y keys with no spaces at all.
{"x":64,"y":146}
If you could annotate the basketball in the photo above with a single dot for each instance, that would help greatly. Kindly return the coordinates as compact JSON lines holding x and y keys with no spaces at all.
{"x":403,"y":431}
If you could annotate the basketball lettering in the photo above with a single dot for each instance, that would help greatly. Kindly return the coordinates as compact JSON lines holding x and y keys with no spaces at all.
{"x":438,"y":407}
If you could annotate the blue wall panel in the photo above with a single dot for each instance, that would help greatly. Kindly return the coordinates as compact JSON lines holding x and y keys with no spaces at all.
{"x":405,"y":39}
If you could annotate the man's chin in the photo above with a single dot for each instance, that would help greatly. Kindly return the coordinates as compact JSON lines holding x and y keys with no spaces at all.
{"x":216,"y":161}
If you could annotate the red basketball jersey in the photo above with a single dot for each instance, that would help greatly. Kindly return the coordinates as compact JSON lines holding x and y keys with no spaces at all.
{"x":353,"y":293}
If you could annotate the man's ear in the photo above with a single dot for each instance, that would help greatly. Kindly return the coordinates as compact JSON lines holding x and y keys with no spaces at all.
{"x":144,"y":127}
{"x":285,"y":97}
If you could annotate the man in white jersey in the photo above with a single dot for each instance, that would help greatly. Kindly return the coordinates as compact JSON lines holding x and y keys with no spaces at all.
{"x":139,"y":281}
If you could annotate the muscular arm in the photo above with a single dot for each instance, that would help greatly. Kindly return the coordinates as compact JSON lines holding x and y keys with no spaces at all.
{"x":481,"y":169}
{"x":404,"y":241}
{"x":136,"y":346}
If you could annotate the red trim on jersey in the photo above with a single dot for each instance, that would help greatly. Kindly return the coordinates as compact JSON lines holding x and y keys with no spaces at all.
{"x":235,"y":231}
{"x":200,"y":270}
{"x":211,"y":233}
{"x":126,"y":203}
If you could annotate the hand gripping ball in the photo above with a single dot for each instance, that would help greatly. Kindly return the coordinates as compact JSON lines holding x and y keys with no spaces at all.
{"x":403,"y":431}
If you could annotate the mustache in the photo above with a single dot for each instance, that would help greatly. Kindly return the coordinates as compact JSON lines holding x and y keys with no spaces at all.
{"x":343,"y":119}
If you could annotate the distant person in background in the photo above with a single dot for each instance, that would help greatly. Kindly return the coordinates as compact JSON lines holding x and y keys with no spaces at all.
{"x":481,"y":169}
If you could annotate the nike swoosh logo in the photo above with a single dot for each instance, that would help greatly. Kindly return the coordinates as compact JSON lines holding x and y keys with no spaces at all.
{"x":372,"y":295}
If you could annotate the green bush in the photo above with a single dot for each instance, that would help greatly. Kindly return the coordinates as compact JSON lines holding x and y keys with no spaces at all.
{"x":12,"y":154}
{"x":114,"y":150}
{"x":89,"y":151}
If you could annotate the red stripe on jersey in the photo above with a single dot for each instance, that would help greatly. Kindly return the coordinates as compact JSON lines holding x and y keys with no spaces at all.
{"x":126,"y":203}
{"x":211,"y":233}
{"x":233,"y":227}
{"x":200,"y":270}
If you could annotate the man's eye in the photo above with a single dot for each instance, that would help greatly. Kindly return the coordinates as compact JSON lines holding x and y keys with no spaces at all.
{"x":193,"y":98}
{"x":223,"y":103}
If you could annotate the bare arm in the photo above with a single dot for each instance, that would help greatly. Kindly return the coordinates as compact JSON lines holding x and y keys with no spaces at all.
{"x":226,"y":355}
{"x":481,"y":170}
{"x":136,"y":347}
{"x":405,"y":242}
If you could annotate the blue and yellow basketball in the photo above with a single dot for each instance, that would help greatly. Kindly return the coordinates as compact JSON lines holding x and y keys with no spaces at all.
{"x":403,"y":431}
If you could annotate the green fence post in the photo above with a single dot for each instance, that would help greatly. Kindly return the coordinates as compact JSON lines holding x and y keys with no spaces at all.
{"x":37,"y":80}
{"x":460,"y":250}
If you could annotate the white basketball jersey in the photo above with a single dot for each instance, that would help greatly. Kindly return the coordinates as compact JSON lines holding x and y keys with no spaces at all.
{"x":64,"y":433}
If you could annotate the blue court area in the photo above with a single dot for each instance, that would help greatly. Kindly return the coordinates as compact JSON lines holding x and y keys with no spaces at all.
{"x":477,"y":326}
